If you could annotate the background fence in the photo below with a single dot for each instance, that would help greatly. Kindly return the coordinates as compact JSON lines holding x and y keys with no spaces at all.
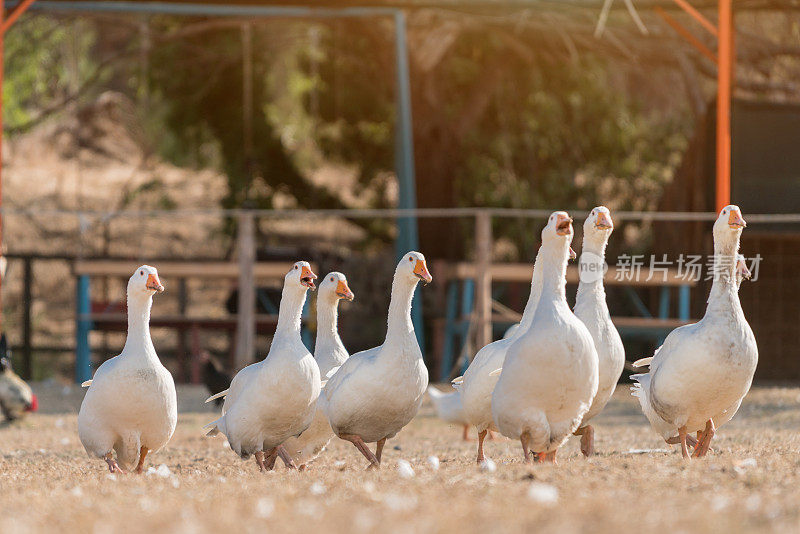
{"x":56,"y":289}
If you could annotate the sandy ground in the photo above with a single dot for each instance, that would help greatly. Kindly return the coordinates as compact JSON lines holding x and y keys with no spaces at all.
{"x":749,"y":483}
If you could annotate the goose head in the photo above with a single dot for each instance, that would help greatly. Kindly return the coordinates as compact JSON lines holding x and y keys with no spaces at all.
{"x":598,"y":226}
{"x":301,"y":276}
{"x":558,"y":229}
{"x":728,"y":226}
{"x":144,"y":282}
{"x":414,"y":268}
{"x":334,"y":286}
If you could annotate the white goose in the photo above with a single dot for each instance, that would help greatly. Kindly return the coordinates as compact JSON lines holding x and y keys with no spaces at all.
{"x":477,"y":384}
{"x":742,"y":273}
{"x":592,"y":310}
{"x":273,"y":400}
{"x":375,"y":393}
{"x":449,"y":409}
{"x":701,"y":373}
{"x":480,"y":378}
{"x":330,"y":354}
{"x":549,"y":375}
{"x":131,"y":406}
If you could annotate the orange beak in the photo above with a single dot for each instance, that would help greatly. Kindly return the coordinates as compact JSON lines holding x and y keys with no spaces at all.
{"x":154,"y":283}
{"x":572,"y":253}
{"x":307,"y":278}
{"x":343,"y":291}
{"x":603,"y":221}
{"x":421,"y":270}
{"x":735,"y":220}
{"x":563,"y":225}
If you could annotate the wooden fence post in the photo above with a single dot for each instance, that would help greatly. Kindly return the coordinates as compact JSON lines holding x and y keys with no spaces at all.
{"x":483,"y":278}
{"x":27,"y":326}
{"x":245,"y":319}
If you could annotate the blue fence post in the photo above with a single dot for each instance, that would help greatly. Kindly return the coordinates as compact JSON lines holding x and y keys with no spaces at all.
{"x":683,"y":303}
{"x":449,"y":330}
{"x":83,"y":362}
{"x":407,"y":238}
{"x":663,"y":303}
{"x":467,"y":299}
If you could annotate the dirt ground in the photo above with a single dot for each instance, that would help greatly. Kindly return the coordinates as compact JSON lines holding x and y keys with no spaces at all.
{"x":750,"y":482}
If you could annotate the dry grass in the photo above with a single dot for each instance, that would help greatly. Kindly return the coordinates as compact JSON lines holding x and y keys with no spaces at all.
{"x":750,"y":482}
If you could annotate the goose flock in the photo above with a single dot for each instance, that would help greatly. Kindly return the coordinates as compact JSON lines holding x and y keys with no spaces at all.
{"x":542,"y":383}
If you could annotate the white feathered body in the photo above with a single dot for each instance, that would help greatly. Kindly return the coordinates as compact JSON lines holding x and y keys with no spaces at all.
{"x":448,"y":406}
{"x":701,"y":372}
{"x":549,"y":378}
{"x":480,"y":378}
{"x":479,"y":383}
{"x":377,"y":392}
{"x":131,"y":403}
{"x":271,"y":401}
{"x":592,"y":310}
{"x":15,"y":395}
{"x":329,"y":353}
{"x":704,"y":370}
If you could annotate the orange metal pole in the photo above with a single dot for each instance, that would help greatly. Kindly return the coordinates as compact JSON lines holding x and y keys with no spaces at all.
{"x":683,"y":32}
{"x":724,"y":77}
{"x":686,"y":6}
{"x":15,"y":14}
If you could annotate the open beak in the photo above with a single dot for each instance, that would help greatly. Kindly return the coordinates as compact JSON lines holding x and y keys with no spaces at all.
{"x":564,"y":225}
{"x":603,"y":221}
{"x":421,"y":270}
{"x":154,"y":283}
{"x":735,"y":220}
{"x":741,"y":268}
{"x":572,"y":253}
{"x":307,"y":278}
{"x":343,"y":292}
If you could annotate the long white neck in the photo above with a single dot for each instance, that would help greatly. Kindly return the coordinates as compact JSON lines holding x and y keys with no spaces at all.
{"x":536,"y":293}
{"x":329,"y":350}
{"x":327,"y":319}
{"x":592,"y":292}
{"x":554,"y":270}
{"x":138,"y":343}
{"x":724,"y":296}
{"x":399,"y":323}
{"x":290,"y":311}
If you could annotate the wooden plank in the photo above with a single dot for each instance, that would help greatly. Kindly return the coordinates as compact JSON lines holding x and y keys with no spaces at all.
{"x":182,"y":269}
{"x":172,"y":321}
{"x":522,"y":272}
{"x":483,"y":278}
{"x":246,"y":324}
{"x":648,"y":322}
{"x":622,"y":322}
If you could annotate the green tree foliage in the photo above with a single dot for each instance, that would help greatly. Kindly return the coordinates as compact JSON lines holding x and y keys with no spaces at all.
{"x":497,"y":121}
{"x":47,"y":61}
{"x":496,"y":128}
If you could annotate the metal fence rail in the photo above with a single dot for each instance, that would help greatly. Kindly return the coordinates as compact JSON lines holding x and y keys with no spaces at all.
{"x":78,"y":234}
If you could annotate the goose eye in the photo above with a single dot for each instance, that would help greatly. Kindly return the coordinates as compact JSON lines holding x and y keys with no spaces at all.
{"x":141,"y":273}
{"x":295,"y":267}
{"x":331,"y":279}
{"x":410,"y":259}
